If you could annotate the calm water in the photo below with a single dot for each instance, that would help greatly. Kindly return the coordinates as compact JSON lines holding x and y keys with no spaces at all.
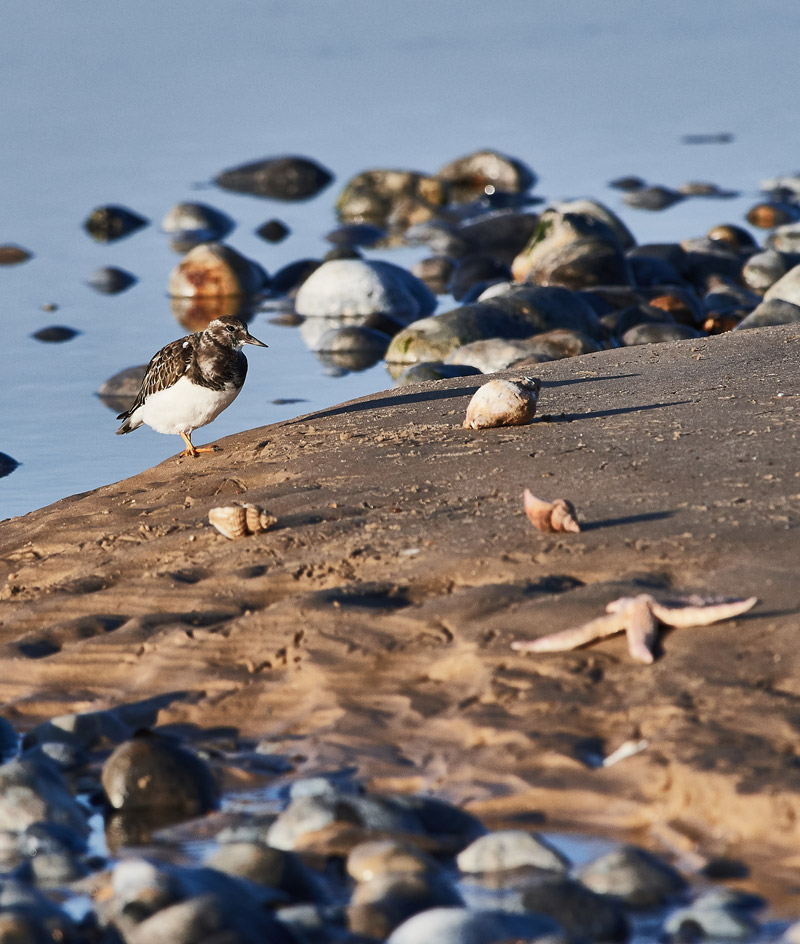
{"x":141,"y":104}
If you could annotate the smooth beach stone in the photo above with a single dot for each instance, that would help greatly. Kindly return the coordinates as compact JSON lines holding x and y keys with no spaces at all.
{"x":647,"y":271}
{"x":281,"y":178}
{"x":485,"y":171}
{"x":379,"y":905}
{"x":704,"y":188}
{"x":190,"y":223}
{"x":151,"y":772}
{"x":501,"y":234}
{"x":33,"y":790}
{"x":289,"y":279}
{"x":442,"y":821}
{"x":787,"y":288}
{"x":357,"y":287}
{"x":429,"y":370}
{"x":109,"y":223}
{"x":110,"y":280}
{"x":13,"y":255}
{"x":768,"y":215}
{"x":213,"y":269}
{"x":652,"y":198}
{"x":381,"y":856}
{"x":435,"y":272}
{"x":55,"y":334}
{"x":264,"y":865}
{"x":657,"y":333}
{"x":7,"y":466}
{"x":463,"y":926}
{"x":357,"y":340}
{"x":582,"y":913}
{"x":724,"y":294}
{"x":471,"y":270}
{"x":736,"y":236}
{"x":544,"y":307}
{"x":273,"y":231}
{"x":763,"y":269}
{"x":87,"y":730}
{"x":119,"y":391}
{"x":494,"y":354}
{"x":443,"y":237}
{"x":635,"y":876}
{"x":373,"y":195}
{"x":785,"y":238}
{"x":705,"y":258}
{"x":715,"y":918}
{"x":356,"y":234}
{"x":776,"y":311}
{"x":308,"y":814}
{"x":679,"y":301}
{"x":405,"y":212}
{"x":618,"y":322}
{"x":510,"y":849}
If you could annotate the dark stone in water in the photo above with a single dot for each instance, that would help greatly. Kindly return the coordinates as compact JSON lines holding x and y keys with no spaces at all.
{"x":291,"y":276}
{"x":110,"y":280}
{"x":154,"y":772}
{"x":475,"y":269}
{"x":119,"y":391}
{"x":501,"y":235}
{"x":7,"y":466}
{"x":356,"y":234}
{"x":485,"y":171}
{"x":13,"y":255}
{"x":55,"y":334}
{"x":273,"y":231}
{"x":342,"y":252}
{"x":281,"y":178}
{"x":652,"y":198}
{"x":435,"y":272}
{"x":628,"y":184}
{"x":111,"y":222}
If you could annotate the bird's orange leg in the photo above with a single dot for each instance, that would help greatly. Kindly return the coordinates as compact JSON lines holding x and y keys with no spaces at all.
{"x":192,"y":451}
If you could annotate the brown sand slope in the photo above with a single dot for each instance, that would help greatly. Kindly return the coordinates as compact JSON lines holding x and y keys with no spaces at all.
{"x":372,"y":626}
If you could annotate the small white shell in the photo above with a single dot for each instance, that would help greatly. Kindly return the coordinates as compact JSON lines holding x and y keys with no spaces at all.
{"x":237,"y":521}
{"x":503,"y":403}
{"x":558,"y":515}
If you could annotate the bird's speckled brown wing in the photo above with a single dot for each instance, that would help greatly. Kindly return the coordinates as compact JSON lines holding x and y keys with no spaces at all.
{"x":166,"y":368}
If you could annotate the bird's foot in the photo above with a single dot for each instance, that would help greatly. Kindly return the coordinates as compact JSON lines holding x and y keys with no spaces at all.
{"x":195,"y":451}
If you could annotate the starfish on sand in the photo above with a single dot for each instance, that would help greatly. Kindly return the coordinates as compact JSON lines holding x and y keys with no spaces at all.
{"x":639,"y":617}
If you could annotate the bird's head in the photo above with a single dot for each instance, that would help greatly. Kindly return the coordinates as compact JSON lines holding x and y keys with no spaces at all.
{"x":231,"y":332}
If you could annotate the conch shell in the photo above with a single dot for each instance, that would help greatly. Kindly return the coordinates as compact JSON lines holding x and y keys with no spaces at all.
{"x":558,"y":515}
{"x":503,"y":403}
{"x":237,"y":521}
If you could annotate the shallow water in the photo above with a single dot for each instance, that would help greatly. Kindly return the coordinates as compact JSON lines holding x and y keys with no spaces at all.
{"x":142,"y":104}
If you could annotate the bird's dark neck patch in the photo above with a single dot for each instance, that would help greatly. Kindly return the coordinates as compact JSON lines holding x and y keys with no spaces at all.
{"x":216,"y":365}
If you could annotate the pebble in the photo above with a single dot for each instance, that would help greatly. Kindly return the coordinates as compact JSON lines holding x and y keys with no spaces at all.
{"x":151,"y":772}
{"x":7,"y":465}
{"x":387,"y":856}
{"x":375,"y":196}
{"x":348,"y":287}
{"x":32,"y":790}
{"x":108,"y":223}
{"x":288,"y":280}
{"x":770,"y":215}
{"x":786,"y":288}
{"x":485,"y":171}
{"x":281,"y":178}
{"x":658,"y":332}
{"x":273,"y":868}
{"x":356,"y":234}
{"x":581,"y":912}
{"x":109,"y":280}
{"x":635,"y":876}
{"x":273,"y":231}
{"x":473,"y":270}
{"x":87,"y":731}
{"x":493,"y":354}
{"x":503,"y":403}
{"x":462,"y":926}
{"x":510,"y":849}
{"x":763,"y":269}
{"x":189,"y":224}
{"x":785,"y":238}
{"x":435,"y":272}
{"x":352,"y":347}
{"x":13,"y":255}
{"x":776,"y":311}
{"x":379,"y":905}
{"x":214,"y":269}
{"x":652,"y":198}
{"x":716,"y":917}
{"x":55,"y":334}
{"x":119,"y":391}
{"x":430,"y":370}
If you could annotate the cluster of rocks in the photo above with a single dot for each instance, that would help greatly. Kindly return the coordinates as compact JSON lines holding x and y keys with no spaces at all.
{"x":336,"y":863}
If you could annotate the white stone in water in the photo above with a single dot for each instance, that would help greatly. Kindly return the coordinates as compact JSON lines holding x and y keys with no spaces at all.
{"x":510,"y":849}
{"x":462,"y":926}
{"x":348,"y":287}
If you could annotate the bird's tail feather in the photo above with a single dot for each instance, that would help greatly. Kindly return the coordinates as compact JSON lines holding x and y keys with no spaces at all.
{"x":128,"y":426}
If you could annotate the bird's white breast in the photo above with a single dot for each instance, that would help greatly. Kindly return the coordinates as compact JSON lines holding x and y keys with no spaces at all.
{"x":184,"y":406}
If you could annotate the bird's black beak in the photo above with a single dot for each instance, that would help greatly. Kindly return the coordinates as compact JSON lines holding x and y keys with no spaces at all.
{"x":249,"y":339}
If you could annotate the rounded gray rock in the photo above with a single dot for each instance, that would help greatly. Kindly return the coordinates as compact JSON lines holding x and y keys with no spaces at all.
{"x":510,"y":849}
{"x":462,"y":926}
{"x":634,"y":875}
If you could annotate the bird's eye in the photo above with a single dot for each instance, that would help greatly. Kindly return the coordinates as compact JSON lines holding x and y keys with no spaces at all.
{"x":230,"y":328}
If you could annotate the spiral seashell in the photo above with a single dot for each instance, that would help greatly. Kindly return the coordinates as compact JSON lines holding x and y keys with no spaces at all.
{"x":503,"y":403}
{"x":558,"y":515}
{"x":238,"y":521}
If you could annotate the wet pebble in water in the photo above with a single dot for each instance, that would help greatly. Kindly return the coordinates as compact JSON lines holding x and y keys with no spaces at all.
{"x":464,"y":926}
{"x":151,"y":772}
{"x":7,"y":466}
{"x":485,"y":171}
{"x":119,"y":391}
{"x":390,"y":198}
{"x":188,"y":224}
{"x":635,"y":876}
{"x":770,"y":215}
{"x":13,"y":255}
{"x":355,"y":234}
{"x":108,"y":223}
{"x":110,"y":280}
{"x":763,"y":269}
{"x":214,"y":269}
{"x":379,"y":905}
{"x":281,"y":178}
{"x":55,"y":334}
{"x":273,"y":231}
{"x":288,"y":280}
{"x":652,"y":198}
{"x":510,"y":849}
{"x":32,"y":790}
{"x":435,"y":272}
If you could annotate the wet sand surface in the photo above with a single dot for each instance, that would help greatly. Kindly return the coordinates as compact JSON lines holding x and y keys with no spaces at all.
{"x":371,"y":628}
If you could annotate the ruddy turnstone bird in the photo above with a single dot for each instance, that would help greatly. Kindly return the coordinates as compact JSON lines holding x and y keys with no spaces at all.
{"x":189,"y":382}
